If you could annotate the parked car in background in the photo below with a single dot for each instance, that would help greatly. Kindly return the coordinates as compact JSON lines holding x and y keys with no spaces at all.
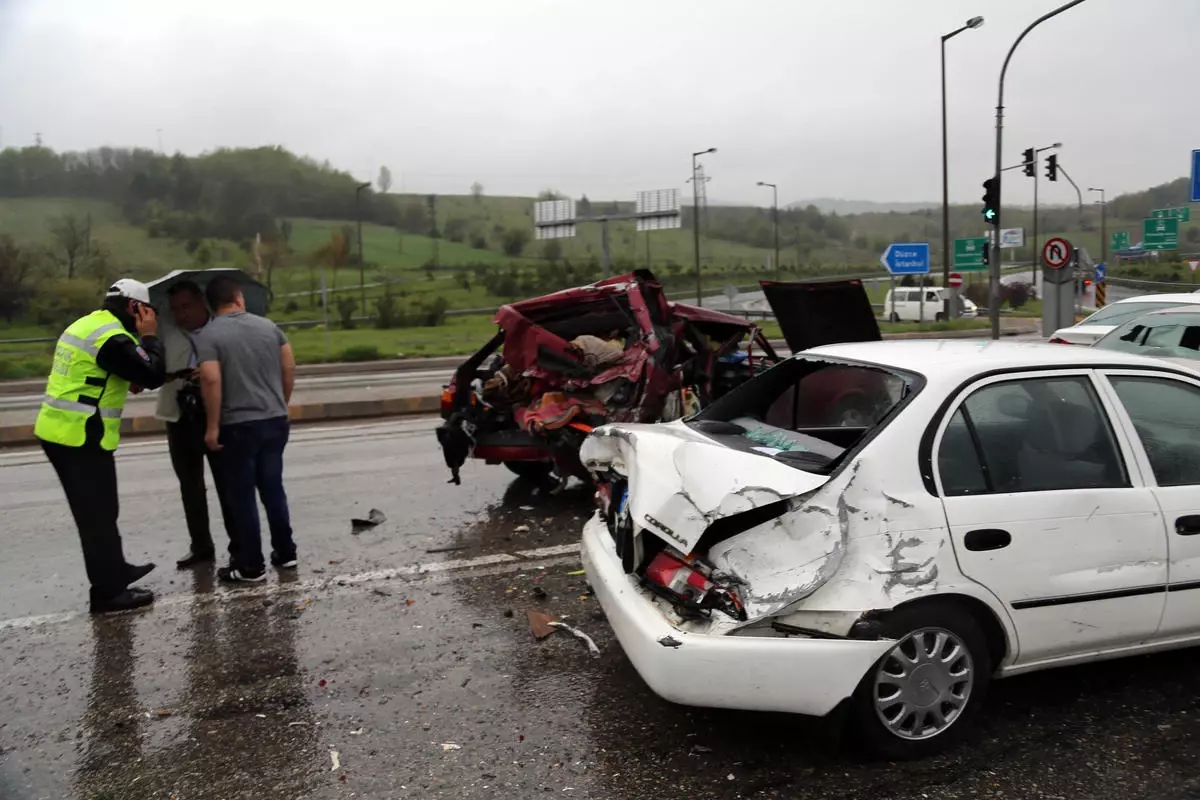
{"x":1172,"y":334}
{"x":619,"y":351}
{"x":1106,"y":319}
{"x":908,"y":302}
{"x":1015,"y":507}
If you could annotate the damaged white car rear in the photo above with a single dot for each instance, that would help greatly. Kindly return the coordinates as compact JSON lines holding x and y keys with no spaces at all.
{"x":772,"y":553}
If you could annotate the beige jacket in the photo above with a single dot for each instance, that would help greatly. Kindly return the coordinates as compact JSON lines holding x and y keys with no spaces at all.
{"x":178,"y":346}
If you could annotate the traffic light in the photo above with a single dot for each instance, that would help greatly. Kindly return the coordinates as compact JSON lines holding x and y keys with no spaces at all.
{"x":1028,"y":160}
{"x":987,"y":253}
{"x":991,"y":200}
{"x":1052,"y":167}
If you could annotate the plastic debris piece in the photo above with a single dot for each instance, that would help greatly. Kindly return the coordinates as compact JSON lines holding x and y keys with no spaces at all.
{"x":296,"y":724}
{"x":521,"y":529}
{"x":409,"y":601}
{"x":261,"y":716}
{"x":578,"y":572}
{"x":541,"y":624}
{"x":381,"y":592}
{"x":374,"y":518}
{"x":700,"y":749}
{"x":336,"y":759}
{"x":448,"y":746}
{"x":671,"y":642}
{"x":163,"y":713}
{"x":508,"y":612}
{"x":451,"y":549}
{"x":321,"y":683}
{"x":358,"y":732}
{"x":578,"y":634}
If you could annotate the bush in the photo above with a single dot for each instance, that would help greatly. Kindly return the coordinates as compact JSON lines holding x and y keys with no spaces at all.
{"x":479,"y":241}
{"x":60,"y":302}
{"x":977,"y":293}
{"x":361,"y":352}
{"x":433,"y":313}
{"x":17,"y":368}
{"x":388,"y":313}
{"x":1015,"y":294}
{"x":346,"y":308}
{"x":291,"y":307}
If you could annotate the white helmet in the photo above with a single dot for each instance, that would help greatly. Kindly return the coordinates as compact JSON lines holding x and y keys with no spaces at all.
{"x":128,"y":287}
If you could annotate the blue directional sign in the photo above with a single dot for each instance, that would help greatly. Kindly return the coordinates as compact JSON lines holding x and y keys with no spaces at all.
{"x":1195,"y":196}
{"x":1101,"y":273}
{"x":906,"y":258}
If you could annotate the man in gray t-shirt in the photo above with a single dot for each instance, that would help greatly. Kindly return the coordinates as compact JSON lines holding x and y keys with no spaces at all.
{"x":247,"y":373}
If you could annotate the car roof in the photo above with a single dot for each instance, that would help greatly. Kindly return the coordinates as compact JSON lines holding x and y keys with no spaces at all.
{"x":1168,"y":312}
{"x":1175,"y":297}
{"x":960,"y":359}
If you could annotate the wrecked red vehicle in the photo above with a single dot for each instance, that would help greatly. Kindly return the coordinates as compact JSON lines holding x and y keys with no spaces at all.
{"x":619,"y":351}
{"x":614,"y":351}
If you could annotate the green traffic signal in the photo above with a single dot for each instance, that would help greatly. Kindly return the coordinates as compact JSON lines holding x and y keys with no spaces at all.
{"x":991,"y":200}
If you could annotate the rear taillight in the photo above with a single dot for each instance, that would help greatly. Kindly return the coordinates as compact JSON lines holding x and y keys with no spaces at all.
{"x":447,"y":401}
{"x":672,"y":574}
{"x":1057,"y":340}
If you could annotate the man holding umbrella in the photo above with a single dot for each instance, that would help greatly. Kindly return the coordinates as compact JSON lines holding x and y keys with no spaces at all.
{"x":96,"y":361}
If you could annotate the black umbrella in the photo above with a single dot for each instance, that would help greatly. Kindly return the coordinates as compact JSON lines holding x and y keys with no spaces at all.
{"x":257,"y":296}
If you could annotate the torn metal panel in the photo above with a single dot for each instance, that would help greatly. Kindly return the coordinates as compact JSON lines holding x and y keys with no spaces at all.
{"x":681,"y":481}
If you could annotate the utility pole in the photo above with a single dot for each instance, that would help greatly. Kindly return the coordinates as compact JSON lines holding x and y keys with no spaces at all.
{"x":994,"y":264}
{"x":1103,"y":225}
{"x":973,"y":22}
{"x":775,"y":219}
{"x":696,"y":223}
{"x":1078,"y":193}
{"x":362,"y":275}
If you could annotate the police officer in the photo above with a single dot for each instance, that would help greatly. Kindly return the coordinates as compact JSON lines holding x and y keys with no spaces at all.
{"x":96,"y":361}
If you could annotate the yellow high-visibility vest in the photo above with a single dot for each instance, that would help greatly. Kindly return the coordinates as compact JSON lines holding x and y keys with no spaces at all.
{"x":79,"y":389}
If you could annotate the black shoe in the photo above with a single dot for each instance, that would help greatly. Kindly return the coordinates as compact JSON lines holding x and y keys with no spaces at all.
{"x":283,"y":563}
{"x":193,"y":559}
{"x":125,"y":601}
{"x":135,"y":572}
{"x":238,"y":575}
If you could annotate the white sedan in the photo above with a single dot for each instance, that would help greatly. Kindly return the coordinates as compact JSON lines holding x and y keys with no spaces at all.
{"x":1003,"y":508}
{"x":1102,"y":322}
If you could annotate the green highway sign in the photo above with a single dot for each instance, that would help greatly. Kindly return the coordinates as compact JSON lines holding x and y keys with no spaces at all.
{"x":1160,"y":234}
{"x":969,"y":253}
{"x":1183,"y":213}
{"x":1120,"y":241}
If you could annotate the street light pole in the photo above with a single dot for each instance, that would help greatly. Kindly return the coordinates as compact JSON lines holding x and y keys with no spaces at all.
{"x":775,"y":218}
{"x":696,"y":224}
{"x":1103,"y":225}
{"x":362,"y":284}
{"x":973,"y":22}
{"x":994,"y":267}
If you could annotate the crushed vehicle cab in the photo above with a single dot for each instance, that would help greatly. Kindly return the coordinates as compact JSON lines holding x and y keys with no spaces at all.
{"x":614,"y":351}
{"x":619,"y":351}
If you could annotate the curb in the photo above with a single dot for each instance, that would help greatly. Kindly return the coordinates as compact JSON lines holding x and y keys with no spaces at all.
{"x":21,"y":435}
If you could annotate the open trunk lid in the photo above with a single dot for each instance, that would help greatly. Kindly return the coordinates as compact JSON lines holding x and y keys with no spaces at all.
{"x":815,"y":313}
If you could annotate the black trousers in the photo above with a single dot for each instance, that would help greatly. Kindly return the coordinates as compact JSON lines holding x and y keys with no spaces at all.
{"x":185,"y":440}
{"x":89,"y":477}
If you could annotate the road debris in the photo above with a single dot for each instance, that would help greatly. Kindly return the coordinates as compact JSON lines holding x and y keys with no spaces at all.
{"x":521,"y":529}
{"x":448,"y":746}
{"x":508,"y":612}
{"x":381,"y":592}
{"x":578,"y":572}
{"x":358,"y":732}
{"x":336,"y":759}
{"x":671,"y":642}
{"x":451,"y":549}
{"x":374,"y":518}
{"x":541,"y":624}
{"x":578,"y":634}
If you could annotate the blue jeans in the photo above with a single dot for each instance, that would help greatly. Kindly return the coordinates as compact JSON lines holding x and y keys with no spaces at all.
{"x":251,"y":458}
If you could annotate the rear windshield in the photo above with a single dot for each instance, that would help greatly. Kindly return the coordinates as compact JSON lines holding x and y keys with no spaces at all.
{"x":1159,"y":335}
{"x":805,"y":413}
{"x":1122,"y":312}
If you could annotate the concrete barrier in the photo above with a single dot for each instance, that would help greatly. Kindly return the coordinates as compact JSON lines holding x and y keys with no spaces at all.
{"x":307,"y":413}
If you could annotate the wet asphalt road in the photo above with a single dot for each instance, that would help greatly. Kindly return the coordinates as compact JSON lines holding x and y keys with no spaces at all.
{"x":406,"y":664}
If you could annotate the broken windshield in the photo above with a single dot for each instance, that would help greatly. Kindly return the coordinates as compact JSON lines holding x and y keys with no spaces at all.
{"x":805,"y":413}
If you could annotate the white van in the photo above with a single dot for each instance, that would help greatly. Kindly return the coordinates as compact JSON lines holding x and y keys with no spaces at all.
{"x":908,"y":305}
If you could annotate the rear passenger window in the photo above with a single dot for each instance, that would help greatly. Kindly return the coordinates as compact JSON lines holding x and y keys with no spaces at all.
{"x":1044,"y":434}
{"x":1166,"y":415}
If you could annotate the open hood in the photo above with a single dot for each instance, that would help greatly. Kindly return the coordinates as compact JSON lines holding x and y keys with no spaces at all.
{"x":681,"y":481}
{"x":815,"y":313}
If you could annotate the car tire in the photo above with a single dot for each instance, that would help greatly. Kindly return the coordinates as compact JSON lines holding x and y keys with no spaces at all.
{"x":939,"y":317}
{"x":530,"y":470}
{"x":945,"y":654}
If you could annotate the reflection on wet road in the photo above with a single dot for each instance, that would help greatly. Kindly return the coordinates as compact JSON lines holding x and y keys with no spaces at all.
{"x":402,"y":656}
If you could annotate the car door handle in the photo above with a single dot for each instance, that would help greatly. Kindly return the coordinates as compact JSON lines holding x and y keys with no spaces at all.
{"x":1188,"y":526}
{"x":987,"y":539}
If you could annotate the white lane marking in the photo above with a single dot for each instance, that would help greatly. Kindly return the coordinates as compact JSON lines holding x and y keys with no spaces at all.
{"x":495,"y":564}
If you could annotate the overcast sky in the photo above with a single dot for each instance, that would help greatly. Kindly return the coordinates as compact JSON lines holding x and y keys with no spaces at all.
{"x":827,"y":99}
